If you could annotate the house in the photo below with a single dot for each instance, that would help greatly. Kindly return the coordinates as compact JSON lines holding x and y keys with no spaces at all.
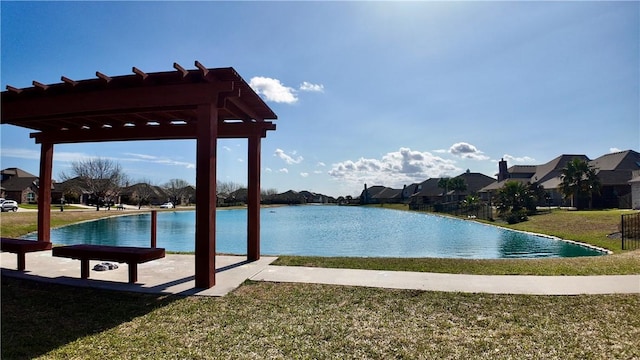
{"x":428,"y":191}
{"x":19,"y":185}
{"x":614,"y":171}
{"x":73,"y":191}
{"x":635,"y":190}
{"x":290,"y":197}
{"x":143,"y":193}
{"x":388,"y":196}
{"x":381,"y":195}
{"x":474,"y":181}
{"x":312,"y":197}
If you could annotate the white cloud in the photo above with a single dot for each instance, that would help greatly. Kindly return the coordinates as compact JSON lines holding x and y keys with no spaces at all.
{"x":518,"y":160}
{"x":394,"y":169}
{"x":287,"y":158}
{"x":227,"y":148}
{"x":467,"y":151}
{"x":273,"y":90}
{"x":307,"y":86}
{"x":268,"y":170}
{"x":133,"y":157}
{"x":321,"y":164}
{"x":304,"y":174}
{"x":30,"y":154}
{"x":614,"y":150}
{"x":284,"y":170}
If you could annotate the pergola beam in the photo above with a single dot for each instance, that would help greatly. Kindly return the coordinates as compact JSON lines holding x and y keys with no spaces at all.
{"x":148,"y":132}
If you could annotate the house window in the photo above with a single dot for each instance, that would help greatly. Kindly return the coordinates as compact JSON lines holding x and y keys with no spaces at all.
{"x":31,"y":198}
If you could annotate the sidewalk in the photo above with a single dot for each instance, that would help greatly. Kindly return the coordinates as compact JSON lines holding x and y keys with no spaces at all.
{"x":174,"y":275}
{"x":490,"y":284}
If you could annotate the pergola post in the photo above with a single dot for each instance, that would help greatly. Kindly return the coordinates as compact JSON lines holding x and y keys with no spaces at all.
{"x":207,"y":136}
{"x":44,"y":192}
{"x":253,"y":199}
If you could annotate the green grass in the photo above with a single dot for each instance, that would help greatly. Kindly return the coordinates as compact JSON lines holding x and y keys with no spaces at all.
{"x":307,"y":321}
{"x":54,"y":207}
{"x":619,"y":264}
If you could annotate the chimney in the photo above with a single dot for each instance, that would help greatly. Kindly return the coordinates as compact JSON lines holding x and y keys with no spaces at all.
{"x":503,"y":174}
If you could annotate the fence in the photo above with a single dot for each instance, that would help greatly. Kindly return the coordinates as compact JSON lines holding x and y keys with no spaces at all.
{"x":630,"y":231}
{"x":483,"y":211}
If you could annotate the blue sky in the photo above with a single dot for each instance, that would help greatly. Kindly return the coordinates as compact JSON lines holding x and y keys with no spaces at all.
{"x":383,"y":93}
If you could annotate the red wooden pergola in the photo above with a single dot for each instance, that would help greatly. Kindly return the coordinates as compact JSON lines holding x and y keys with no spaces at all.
{"x":202,"y":104}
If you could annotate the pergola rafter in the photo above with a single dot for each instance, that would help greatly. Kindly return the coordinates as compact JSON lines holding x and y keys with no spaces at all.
{"x":204,"y":104}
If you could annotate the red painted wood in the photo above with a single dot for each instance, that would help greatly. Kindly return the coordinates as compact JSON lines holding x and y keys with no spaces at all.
{"x":44,"y":192}
{"x":144,"y":132}
{"x":154,"y":228}
{"x":206,"y":196}
{"x":253,"y":200}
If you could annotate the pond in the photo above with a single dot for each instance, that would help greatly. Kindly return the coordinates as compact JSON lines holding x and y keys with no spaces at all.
{"x":326,"y":230}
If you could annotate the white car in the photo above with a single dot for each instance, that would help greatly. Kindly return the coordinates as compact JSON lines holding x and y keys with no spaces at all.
{"x":9,"y":205}
{"x":167,"y":205}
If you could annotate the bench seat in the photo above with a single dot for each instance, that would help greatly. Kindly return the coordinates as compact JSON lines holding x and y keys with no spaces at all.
{"x":130,"y":255}
{"x":21,"y":247}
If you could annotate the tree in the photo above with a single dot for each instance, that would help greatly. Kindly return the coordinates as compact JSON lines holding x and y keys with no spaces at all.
{"x":269,"y":192}
{"x":471,"y":203}
{"x":579,"y":181}
{"x":511,"y":201}
{"x":443,"y":183}
{"x":176,"y":189}
{"x":143,"y":192}
{"x":225,"y":188}
{"x":102,"y":178}
{"x":453,"y":184}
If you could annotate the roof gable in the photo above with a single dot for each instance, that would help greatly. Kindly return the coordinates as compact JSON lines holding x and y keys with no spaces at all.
{"x":623,"y":160}
{"x":553,"y":168}
{"x":10,"y":172}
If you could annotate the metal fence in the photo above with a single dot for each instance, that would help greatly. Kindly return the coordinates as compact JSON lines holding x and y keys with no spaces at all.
{"x":630,"y":228}
{"x":482,"y":211}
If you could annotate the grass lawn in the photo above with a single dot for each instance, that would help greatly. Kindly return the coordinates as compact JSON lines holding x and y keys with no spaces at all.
{"x":307,"y":321}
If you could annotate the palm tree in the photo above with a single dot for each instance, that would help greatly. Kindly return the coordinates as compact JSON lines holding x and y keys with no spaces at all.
{"x":443,"y":183}
{"x":454,"y":184}
{"x":513,"y":200}
{"x":579,"y":181}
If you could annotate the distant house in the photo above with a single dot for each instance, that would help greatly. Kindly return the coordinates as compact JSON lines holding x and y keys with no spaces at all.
{"x":19,"y":185}
{"x":289,"y":197}
{"x":547,"y":175}
{"x":614,"y":171}
{"x":314,"y":198}
{"x":73,"y":191}
{"x":635,"y":190}
{"x":380,"y":195}
{"x":143,"y":193}
{"x":428,"y":191}
{"x":474,"y":181}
